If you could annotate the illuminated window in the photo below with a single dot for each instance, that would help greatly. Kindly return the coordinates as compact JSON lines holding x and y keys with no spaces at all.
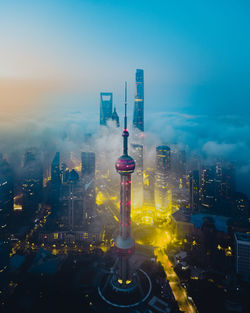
{"x":85,"y":235}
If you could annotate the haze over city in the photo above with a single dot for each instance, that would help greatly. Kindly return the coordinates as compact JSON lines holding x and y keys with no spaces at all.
{"x":56,"y":57}
{"x":66,"y":148}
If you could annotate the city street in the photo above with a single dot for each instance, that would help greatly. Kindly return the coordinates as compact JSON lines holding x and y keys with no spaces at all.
{"x":179,"y":292}
{"x":185,"y":304}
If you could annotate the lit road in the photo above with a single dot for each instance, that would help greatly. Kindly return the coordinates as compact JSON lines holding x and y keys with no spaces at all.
{"x":179,"y":292}
{"x":109,"y":204}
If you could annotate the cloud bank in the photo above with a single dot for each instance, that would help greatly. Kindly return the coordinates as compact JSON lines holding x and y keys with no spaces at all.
{"x":66,"y":124}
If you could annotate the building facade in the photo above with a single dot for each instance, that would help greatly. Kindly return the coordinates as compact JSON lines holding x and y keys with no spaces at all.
{"x":194,"y":190}
{"x":242,"y":254}
{"x":137,"y":182}
{"x":163,"y":193}
{"x":71,"y":200}
{"x":115,"y":118}
{"x":88,"y":180}
{"x":6,"y":194}
{"x":106,"y":107}
{"x":55,"y":178}
{"x":138,"y":117}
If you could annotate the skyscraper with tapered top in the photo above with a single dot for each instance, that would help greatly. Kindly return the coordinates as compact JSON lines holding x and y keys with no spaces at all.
{"x":138,"y":118}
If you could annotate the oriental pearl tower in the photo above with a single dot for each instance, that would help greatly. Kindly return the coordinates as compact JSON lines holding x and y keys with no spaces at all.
{"x":124,"y":243}
{"x":125,"y":286}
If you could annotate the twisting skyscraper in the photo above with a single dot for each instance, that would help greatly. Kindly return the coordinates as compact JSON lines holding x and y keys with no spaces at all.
{"x":138,"y":119}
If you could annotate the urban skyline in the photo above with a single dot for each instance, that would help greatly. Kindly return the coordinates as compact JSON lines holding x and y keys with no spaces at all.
{"x":68,"y":207}
{"x":132,"y":199}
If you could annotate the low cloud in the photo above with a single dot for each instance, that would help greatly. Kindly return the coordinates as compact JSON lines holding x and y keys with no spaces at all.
{"x":215,"y":149}
{"x":68,"y":125}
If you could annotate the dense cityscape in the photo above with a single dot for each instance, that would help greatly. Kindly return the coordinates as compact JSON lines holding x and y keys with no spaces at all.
{"x":124,"y":156}
{"x":172,"y":236}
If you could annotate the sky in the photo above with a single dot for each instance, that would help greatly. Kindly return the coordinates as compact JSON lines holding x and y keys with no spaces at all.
{"x":57,"y":56}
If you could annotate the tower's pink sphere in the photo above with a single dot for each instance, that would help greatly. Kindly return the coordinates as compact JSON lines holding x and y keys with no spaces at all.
{"x":125,"y":164}
{"x":125,"y":133}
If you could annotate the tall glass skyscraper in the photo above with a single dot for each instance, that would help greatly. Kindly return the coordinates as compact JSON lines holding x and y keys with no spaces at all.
{"x":88,"y":180}
{"x":137,"y":183}
{"x":106,"y":106}
{"x":163,"y":193}
{"x":138,"y":118}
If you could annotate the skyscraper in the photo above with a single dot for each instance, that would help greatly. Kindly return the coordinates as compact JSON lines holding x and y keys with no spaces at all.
{"x":106,"y":107}
{"x":138,"y":118}
{"x":72,"y":202}
{"x":209,"y":187}
{"x":32,"y":186}
{"x":163,"y":161}
{"x":194,"y":190}
{"x":227,"y":181}
{"x":55,"y":169}
{"x":55,"y":178}
{"x":137,"y":183}
{"x":115,"y":117}
{"x":163,"y":193}
{"x":242,"y":251}
{"x":88,"y":179}
{"x":88,"y":164}
{"x":6,"y":194}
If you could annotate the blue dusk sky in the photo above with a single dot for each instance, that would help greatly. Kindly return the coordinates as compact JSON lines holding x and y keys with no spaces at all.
{"x":57,"y":56}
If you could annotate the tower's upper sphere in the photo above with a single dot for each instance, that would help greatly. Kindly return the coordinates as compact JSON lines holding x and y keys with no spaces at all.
{"x":125,"y":164}
{"x":125,"y":133}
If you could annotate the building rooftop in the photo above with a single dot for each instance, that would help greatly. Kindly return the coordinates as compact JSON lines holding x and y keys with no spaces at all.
{"x":243,"y":237}
{"x":45,"y":262}
{"x":220,"y":222}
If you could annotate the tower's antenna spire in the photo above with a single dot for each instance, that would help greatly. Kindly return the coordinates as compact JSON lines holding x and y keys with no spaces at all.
{"x":125,"y":133}
{"x":125,"y":116}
